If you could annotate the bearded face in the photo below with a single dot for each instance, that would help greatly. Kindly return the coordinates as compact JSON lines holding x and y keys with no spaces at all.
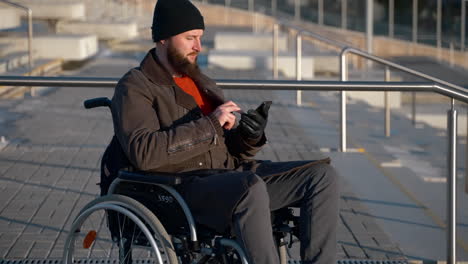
{"x":181,"y":62}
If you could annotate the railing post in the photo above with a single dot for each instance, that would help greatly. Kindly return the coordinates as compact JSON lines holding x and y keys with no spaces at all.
{"x":28,"y":10}
{"x":30,"y":50}
{"x":370,"y":29}
{"x":275,"y":51}
{"x":452,"y":186}
{"x":451,"y":55}
{"x":320,"y":12}
{"x":387,"y":104}
{"x":466,"y":152}
{"x":391,"y":18}
{"x":344,"y":14}
{"x":415,"y":21}
{"x":413,"y":108}
{"x":227,"y":11}
{"x":273,"y":8}
{"x":439,"y":26}
{"x":297,"y":10}
{"x":299,"y":66}
{"x":344,"y":78}
{"x":462,"y":26}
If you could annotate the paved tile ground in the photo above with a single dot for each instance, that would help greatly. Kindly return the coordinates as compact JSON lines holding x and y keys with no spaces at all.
{"x":49,"y":169}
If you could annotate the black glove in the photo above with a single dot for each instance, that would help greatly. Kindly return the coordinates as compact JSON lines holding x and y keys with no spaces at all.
{"x":253,"y":123}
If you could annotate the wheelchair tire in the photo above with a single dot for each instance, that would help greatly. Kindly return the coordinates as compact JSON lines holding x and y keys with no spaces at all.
{"x":138,"y":234}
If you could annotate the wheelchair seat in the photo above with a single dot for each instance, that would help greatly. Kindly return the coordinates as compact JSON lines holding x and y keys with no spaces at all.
{"x":171,"y":179}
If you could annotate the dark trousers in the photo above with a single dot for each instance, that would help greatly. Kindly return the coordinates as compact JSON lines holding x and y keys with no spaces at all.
{"x":315,"y":190}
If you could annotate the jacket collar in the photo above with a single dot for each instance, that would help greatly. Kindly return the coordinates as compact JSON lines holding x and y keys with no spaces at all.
{"x":153,"y":69}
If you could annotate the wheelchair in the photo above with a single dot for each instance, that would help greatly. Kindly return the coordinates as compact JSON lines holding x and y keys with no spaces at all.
{"x":143,"y":219}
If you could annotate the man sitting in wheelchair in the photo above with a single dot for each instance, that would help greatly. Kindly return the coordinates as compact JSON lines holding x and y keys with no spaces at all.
{"x":170,"y":117}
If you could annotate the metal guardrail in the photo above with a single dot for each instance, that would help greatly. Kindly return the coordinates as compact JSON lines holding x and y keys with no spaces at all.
{"x":451,"y":116}
{"x":448,"y":90}
{"x":30,"y":29}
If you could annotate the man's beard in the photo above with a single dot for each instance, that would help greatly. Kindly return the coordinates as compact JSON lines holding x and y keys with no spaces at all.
{"x":181,"y":64}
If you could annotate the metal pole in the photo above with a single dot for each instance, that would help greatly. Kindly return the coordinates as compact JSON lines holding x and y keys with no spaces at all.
{"x":273,"y":7}
{"x":344,"y":11}
{"x":227,"y":11}
{"x":251,"y":5}
{"x":369,"y":28}
{"x":275,"y":51}
{"x":391,"y":18}
{"x":462,"y":26}
{"x":320,"y":12}
{"x":344,"y":77}
{"x":451,"y":55}
{"x":387,"y":104}
{"x":30,"y":52}
{"x":297,"y":10}
{"x":413,"y":107}
{"x":299,"y":66}
{"x":439,"y":25}
{"x":30,"y":37}
{"x":415,"y":21}
{"x":452,"y":185}
{"x":466,"y":151}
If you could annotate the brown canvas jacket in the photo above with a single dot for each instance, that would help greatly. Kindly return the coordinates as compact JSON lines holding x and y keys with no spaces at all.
{"x":161,"y":128}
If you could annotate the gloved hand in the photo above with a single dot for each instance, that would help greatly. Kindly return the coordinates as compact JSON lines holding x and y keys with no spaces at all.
{"x":253,"y":123}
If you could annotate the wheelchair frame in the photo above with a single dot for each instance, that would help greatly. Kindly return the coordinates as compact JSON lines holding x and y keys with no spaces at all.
{"x":146,"y":220}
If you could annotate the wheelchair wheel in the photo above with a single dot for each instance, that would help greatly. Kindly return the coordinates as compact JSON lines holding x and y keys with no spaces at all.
{"x":118,"y":228}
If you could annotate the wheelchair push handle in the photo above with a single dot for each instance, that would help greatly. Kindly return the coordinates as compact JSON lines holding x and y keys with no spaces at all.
{"x":97,"y":102}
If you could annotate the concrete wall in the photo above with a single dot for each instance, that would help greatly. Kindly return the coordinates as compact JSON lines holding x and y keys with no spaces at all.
{"x":248,"y":41}
{"x":9,"y":18}
{"x":103,"y":29}
{"x":387,"y":47}
{"x":68,"y":47}
{"x":52,"y":9}
{"x":262,"y":61}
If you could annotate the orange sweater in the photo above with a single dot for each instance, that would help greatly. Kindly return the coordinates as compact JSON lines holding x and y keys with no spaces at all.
{"x":187,"y":84}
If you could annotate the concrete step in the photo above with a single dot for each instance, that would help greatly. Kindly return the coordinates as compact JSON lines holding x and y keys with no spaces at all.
{"x":247,"y":41}
{"x":7,"y":47}
{"x":60,"y":46}
{"x":104,"y":29}
{"x":13,"y":61}
{"x":42,"y":67}
{"x":55,"y":10}
{"x":9,"y":18}
{"x":260,"y":60}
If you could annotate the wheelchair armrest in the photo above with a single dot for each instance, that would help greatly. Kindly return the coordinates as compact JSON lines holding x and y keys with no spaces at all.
{"x":153,"y":177}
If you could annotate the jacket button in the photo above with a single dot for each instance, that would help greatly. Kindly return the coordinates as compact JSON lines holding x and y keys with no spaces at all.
{"x":201,"y":163}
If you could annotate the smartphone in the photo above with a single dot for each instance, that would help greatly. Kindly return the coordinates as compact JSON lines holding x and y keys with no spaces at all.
{"x":264,"y":105}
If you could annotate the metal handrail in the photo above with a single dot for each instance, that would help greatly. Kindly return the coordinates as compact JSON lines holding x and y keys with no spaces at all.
{"x":400,"y":67}
{"x":452,"y":135}
{"x":300,"y":32}
{"x":368,"y":56}
{"x":376,"y":86}
{"x":30,"y":29}
{"x":338,"y":44}
{"x":450,"y":91}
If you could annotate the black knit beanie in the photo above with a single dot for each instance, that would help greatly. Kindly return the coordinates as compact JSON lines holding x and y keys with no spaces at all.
{"x":172,"y":17}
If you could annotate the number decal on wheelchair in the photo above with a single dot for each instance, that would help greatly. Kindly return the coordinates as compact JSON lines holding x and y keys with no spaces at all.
{"x":165,"y":198}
